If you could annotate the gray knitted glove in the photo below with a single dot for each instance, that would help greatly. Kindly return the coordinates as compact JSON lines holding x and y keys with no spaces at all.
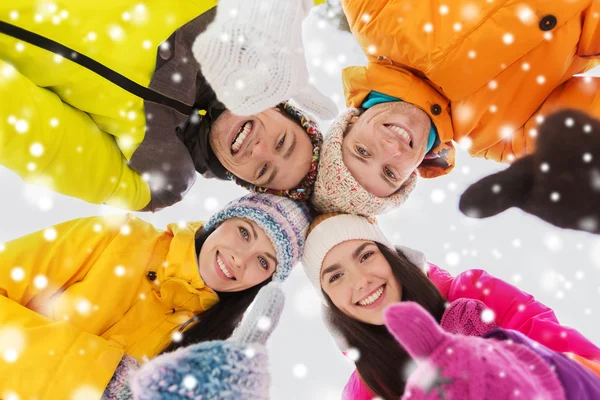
{"x":236,"y":368}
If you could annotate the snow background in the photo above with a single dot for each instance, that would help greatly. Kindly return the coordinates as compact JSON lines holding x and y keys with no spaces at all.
{"x":561,"y":268}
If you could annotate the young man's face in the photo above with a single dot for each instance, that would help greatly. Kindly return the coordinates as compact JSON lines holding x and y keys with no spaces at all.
{"x":385,"y":145}
{"x":267,"y":149}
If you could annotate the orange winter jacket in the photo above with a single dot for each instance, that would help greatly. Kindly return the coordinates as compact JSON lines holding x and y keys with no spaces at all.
{"x":486,"y":72}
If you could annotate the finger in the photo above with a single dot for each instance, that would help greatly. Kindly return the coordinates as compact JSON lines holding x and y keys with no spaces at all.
{"x":414,"y":328}
{"x":499,"y":192}
{"x":264,"y":316}
{"x":315,"y":102}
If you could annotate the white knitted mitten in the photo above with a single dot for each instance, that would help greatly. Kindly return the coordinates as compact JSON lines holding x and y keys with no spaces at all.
{"x":253,"y":57}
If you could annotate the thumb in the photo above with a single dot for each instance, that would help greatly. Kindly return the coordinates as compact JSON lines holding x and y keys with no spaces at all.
{"x":499,"y":192}
{"x":414,"y":328}
{"x":312,"y":100}
{"x":262,"y":319}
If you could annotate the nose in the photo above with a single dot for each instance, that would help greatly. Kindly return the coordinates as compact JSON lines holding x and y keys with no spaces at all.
{"x":391,"y":147}
{"x":360,"y":281}
{"x":240,"y":260}
{"x":260,"y":150}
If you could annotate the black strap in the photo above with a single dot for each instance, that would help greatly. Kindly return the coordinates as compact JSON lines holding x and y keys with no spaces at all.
{"x":94,"y":66}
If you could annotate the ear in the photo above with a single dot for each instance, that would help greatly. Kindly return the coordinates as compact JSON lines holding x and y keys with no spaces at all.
{"x":499,"y":192}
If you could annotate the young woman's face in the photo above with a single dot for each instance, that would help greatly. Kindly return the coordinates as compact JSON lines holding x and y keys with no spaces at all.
{"x":359,"y":281}
{"x":267,"y":149}
{"x":385,"y":145}
{"x":236,"y":256}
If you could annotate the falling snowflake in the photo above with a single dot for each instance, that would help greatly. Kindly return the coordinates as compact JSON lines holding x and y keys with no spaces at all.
{"x":50,"y":234}
{"x":300,"y":371}
{"x":488,"y":316}
{"x":496,"y":188}
{"x":353,"y":354}
{"x":438,"y":196}
{"x":17,"y":274}
{"x":544,"y":167}
{"x":86,"y":392}
{"x":40,"y":281}
{"x":508,"y":38}
{"x":120,"y":270}
{"x":189,"y":382}
{"x":587,"y":157}
{"x":452,"y":259}
{"x":555,"y":196}
{"x":264,"y":323}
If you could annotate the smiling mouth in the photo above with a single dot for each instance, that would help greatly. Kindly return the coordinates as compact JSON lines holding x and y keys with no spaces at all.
{"x":240,"y":137}
{"x":401,"y":132}
{"x":371,"y":298}
{"x":223,"y":267}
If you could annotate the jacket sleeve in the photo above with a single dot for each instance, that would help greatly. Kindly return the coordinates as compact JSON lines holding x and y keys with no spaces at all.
{"x":355,"y":389}
{"x":520,"y":311}
{"x":48,"y":142}
{"x":51,"y":359}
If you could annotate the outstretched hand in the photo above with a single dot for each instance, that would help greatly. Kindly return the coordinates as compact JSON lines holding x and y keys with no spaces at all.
{"x":559,"y":182}
{"x":253,"y":57}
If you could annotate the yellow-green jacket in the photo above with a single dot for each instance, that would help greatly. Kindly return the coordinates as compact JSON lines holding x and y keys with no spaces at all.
{"x":75,"y":297}
{"x":74,"y":130}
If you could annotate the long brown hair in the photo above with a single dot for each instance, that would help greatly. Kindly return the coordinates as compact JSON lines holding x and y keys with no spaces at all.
{"x":382,"y":360}
{"x":219,"y":321}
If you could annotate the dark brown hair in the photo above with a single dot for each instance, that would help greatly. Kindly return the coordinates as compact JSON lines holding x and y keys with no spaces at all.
{"x":219,"y":321}
{"x":382,"y":360}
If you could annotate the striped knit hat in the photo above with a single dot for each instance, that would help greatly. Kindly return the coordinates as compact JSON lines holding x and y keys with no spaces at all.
{"x":284,"y":221}
{"x":336,"y":190}
{"x":303,"y":191}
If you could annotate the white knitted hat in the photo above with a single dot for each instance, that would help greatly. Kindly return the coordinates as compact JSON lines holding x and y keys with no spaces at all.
{"x":336,"y":190}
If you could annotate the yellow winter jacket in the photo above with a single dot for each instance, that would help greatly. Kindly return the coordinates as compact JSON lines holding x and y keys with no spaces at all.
{"x":482,"y":70}
{"x":75,"y":297}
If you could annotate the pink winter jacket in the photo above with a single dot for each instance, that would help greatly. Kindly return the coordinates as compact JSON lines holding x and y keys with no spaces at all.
{"x":514,"y":309}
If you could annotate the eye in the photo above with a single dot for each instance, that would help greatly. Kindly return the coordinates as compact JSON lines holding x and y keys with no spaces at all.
{"x":362,"y":151}
{"x":262,"y":171}
{"x":244,"y":232}
{"x":281,"y":142}
{"x":263,"y":263}
{"x":389,"y":173}
{"x":366,"y":256}
{"x":335,"y":277}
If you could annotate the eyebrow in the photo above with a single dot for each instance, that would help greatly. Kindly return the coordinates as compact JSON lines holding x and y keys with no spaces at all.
{"x":271,"y":177}
{"x":390,"y":184}
{"x":329,"y":269}
{"x":290,"y":149}
{"x":360,"y":248}
{"x":253,"y":230}
{"x":272,"y":257}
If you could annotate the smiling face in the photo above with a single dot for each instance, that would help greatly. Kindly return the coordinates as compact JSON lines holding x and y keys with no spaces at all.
{"x":267,"y":149}
{"x":236,"y":256}
{"x":359,"y":280}
{"x":385,"y":145}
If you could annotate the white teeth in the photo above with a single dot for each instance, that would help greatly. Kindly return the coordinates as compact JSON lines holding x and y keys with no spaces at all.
{"x":224,"y":268}
{"x":371,"y":299}
{"x":403,"y":134}
{"x":241,"y":136}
